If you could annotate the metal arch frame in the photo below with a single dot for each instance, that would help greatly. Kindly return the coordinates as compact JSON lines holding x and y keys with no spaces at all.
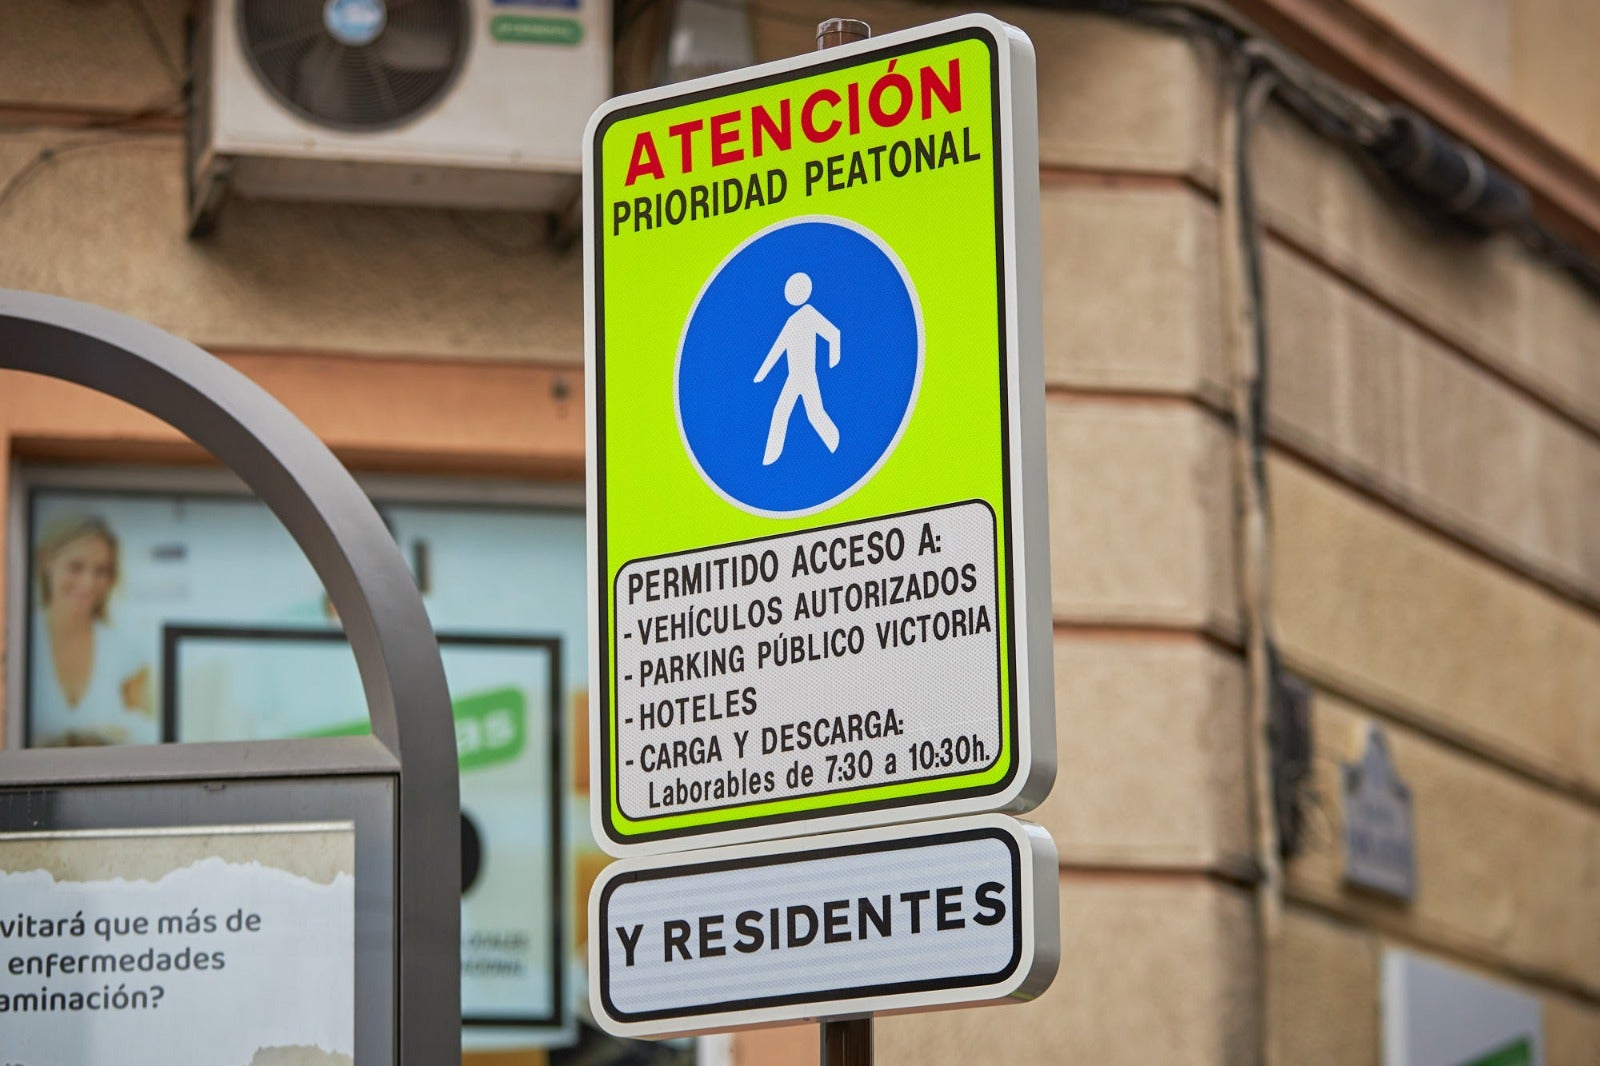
{"x":334,"y":523}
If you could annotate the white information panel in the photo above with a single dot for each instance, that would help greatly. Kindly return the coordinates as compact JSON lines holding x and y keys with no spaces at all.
{"x":146,"y":947}
{"x":777,"y":667}
{"x":949,"y":913}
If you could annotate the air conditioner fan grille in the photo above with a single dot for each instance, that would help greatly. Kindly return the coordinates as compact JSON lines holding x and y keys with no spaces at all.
{"x":355,"y":64}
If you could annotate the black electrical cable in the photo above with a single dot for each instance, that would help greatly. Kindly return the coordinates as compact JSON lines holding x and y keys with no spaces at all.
{"x":1440,"y":176}
{"x":49,"y":154}
{"x":1249,"y":238}
{"x":158,"y":44}
{"x":1448,"y":178}
{"x":167,"y":106}
{"x":1543,"y":241}
{"x":1253,"y":83}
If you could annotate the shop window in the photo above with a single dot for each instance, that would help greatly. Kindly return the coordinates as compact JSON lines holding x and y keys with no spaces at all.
{"x":171,"y":607}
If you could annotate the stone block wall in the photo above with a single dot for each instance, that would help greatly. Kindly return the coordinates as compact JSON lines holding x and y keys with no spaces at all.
{"x":1434,"y":474}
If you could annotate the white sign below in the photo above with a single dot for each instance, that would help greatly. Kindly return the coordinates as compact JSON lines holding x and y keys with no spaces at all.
{"x":942,"y":914}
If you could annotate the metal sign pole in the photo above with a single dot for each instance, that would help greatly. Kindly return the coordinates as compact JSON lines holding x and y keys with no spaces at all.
{"x":833,"y":32}
{"x":846,"y":1042}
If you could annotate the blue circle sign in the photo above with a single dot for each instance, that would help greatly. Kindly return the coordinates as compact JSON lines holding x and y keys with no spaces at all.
{"x":799,"y":366}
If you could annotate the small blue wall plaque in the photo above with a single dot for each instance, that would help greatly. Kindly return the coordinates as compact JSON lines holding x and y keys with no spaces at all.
{"x":1380,"y":845}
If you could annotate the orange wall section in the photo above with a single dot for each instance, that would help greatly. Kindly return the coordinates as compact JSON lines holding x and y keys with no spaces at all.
{"x":421,"y":416}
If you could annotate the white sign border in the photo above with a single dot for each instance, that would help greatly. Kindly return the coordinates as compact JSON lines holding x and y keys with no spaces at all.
{"x":1027,"y":526}
{"x":1038,"y":907}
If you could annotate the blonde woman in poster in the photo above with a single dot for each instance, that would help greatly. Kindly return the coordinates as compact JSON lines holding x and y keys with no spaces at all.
{"x":89,"y":683}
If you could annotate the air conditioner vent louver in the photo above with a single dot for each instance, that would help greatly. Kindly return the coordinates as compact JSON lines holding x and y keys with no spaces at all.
{"x":355,"y":64}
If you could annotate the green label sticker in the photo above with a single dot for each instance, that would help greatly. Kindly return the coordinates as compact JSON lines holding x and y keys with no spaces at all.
{"x":1516,"y":1053}
{"x":534,"y":29}
{"x":491,"y":727}
{"x":803,"y":502}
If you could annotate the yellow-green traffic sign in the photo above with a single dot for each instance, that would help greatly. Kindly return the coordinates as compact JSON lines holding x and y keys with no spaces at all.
{"x":818,"y":546}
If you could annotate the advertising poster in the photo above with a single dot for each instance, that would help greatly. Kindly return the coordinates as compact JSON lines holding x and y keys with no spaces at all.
{"x":126,"y":947}
{"x":159,"y":616}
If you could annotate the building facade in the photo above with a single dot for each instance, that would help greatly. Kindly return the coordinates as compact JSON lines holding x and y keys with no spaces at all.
{"x":1362,"y":496}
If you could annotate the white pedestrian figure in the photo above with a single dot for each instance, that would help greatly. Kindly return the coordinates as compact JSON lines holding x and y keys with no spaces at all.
{"x":798,"y":338}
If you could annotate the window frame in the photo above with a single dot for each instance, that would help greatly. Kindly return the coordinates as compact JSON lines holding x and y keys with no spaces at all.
{"x":385,"y":489}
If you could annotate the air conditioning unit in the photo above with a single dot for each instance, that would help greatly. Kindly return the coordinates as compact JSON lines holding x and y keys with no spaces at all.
{"x":462,"y":103}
